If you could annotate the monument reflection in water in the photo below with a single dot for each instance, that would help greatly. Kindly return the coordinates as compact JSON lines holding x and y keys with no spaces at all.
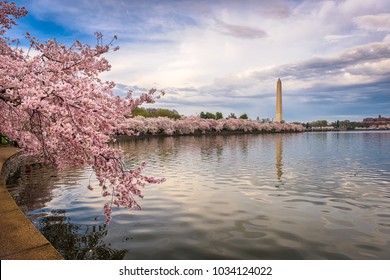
{"x":278,"y":196}
{"x":279,"y":155}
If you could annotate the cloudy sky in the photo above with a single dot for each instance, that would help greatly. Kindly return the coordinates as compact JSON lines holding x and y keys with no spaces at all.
{"x":333,"y":57}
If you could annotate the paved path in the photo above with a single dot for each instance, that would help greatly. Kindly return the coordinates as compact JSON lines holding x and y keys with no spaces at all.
{"x":19,"y":239}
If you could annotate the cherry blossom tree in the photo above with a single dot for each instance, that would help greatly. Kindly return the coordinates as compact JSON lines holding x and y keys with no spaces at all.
{"x":192,"y":125}
{"x":55,"y":106}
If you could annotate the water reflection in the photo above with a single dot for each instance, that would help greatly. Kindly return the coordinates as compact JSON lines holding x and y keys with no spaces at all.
{"x":40,"y":186}
{"x":34,"y":187}
{"x":278,"y":196}
{"x":279,"y":155}
{"x":77,"y":242}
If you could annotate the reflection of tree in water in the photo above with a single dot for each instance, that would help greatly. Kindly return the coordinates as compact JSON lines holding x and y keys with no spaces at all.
{"x":75,"y":242}
{"x":162,"y":149}
{"x":167,"y":148}
{"x":210,"y":147}
{"x":31,"y":186}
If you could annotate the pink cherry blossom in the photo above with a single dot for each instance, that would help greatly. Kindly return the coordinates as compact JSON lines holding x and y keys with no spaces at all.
{"x":191,"y":125}
{"x":55,"y":106}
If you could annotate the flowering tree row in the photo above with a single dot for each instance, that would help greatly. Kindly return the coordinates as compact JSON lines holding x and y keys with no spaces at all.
{"x":191,"y":125}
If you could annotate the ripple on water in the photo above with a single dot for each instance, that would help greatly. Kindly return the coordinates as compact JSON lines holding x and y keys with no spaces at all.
{"x":228,"y":197}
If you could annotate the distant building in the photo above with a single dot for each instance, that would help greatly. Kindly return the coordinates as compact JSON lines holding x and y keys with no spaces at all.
{"x":279,"y":112}
{"x":377,"y":121}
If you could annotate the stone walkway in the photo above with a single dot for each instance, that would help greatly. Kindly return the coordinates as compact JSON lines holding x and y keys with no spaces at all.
{"x":19,"y":239}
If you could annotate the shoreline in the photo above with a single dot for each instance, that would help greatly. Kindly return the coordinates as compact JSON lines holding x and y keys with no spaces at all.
{"x":208,"y":133}
{"x":20,"y":239}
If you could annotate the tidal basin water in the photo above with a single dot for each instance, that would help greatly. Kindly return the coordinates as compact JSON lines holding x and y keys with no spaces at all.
{"x":272,"y":196}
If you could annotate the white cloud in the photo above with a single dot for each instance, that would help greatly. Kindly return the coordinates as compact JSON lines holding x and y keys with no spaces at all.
{"x":238,"y":31}
{"x":378,"y":22}
{"x":338,"y":38}
{"x":230,"y":53}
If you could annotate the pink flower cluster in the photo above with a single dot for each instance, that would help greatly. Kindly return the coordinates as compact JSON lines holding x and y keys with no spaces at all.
{"x":56,"y":108}
{"x":191,"y":125}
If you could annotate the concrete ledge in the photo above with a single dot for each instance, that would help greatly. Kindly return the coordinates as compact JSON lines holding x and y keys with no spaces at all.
{"x":20,"y":240}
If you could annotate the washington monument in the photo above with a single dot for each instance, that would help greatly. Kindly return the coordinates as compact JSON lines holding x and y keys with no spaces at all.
{"x":279,"y":111}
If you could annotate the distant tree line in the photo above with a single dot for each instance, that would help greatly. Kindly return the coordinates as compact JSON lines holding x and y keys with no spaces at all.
{"x":340,"y":125}
{"x":348,"y":125}
{"x":173,"y":114}
{"x":219,"y":115}
{"x":155,"y":113}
